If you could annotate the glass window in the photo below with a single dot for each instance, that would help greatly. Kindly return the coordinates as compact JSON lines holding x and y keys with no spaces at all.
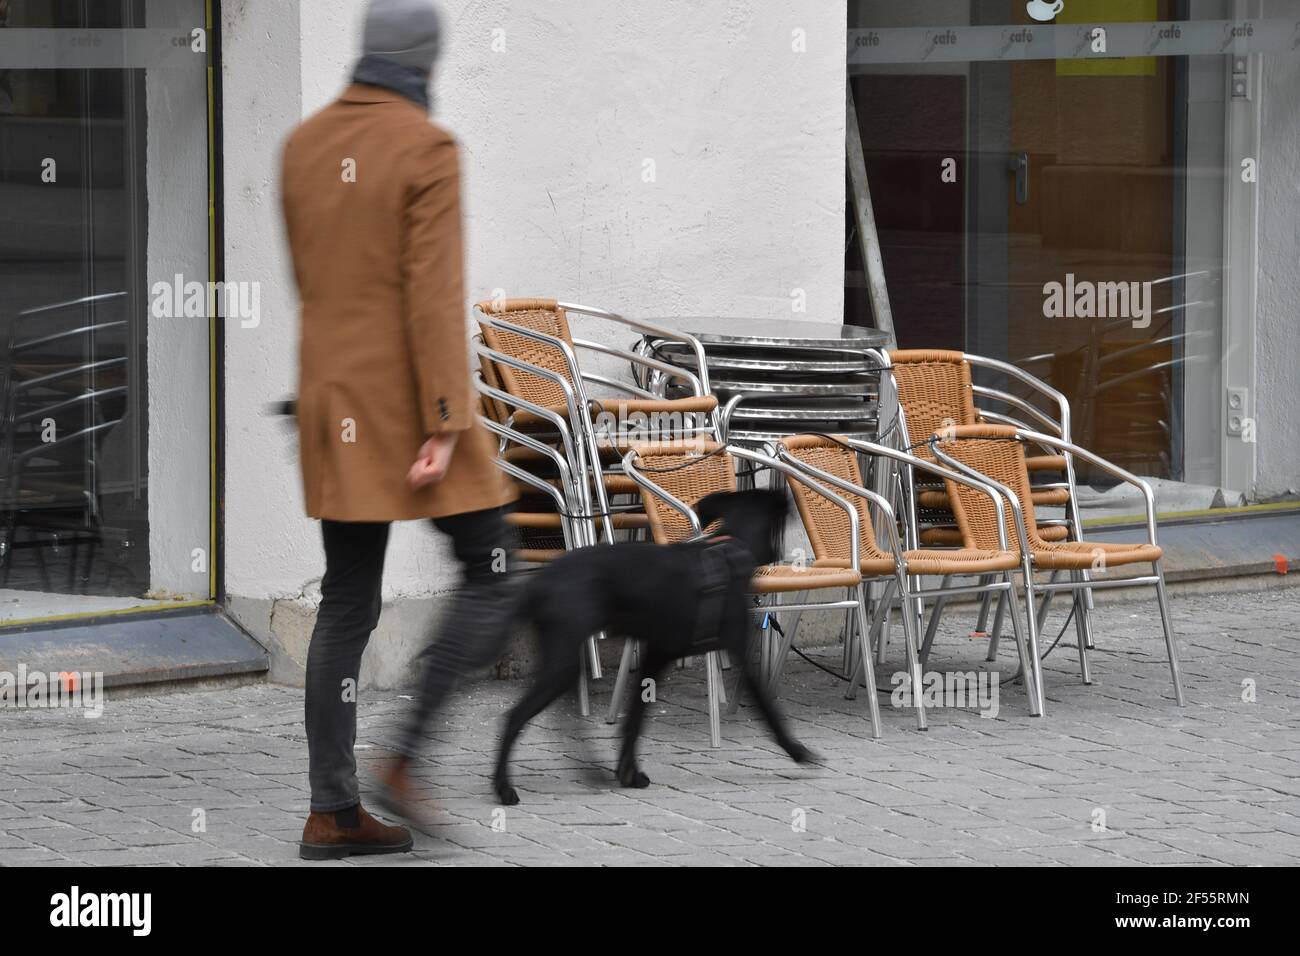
{"x":105,"y":438}
{"x":1101,"y":193}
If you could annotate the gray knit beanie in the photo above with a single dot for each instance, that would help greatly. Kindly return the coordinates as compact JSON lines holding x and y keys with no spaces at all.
{"x":408,"y":32}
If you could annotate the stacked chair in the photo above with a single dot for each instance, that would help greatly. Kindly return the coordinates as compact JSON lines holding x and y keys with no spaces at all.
{"x":534,"y":386}
{"x":965,"y":473}
{"x":562,"y":444}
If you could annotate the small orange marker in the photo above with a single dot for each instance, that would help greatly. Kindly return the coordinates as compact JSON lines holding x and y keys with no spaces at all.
{"x":1279,"y":561}
{"x":69,"y":681}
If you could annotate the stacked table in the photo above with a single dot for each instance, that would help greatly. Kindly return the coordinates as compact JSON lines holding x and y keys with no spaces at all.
{"x":781,"y":377}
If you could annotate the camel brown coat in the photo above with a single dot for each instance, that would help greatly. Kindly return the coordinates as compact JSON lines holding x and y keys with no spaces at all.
{"x":371,"y":195}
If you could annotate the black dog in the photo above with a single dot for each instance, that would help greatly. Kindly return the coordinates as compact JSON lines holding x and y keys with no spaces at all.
{"x":677,"y":600}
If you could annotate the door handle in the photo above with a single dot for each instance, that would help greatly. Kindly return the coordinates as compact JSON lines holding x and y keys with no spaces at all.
{"x":1019,"y":164}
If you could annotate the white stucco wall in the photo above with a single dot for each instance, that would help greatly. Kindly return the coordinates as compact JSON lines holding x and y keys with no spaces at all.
{"x":747,"y":204}
{"x":178,"y":347}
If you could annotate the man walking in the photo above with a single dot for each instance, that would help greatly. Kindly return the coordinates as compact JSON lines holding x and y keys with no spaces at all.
{"x":386,"y":408}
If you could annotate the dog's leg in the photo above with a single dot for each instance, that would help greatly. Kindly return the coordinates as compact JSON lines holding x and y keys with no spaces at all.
{"x":627,"y":771}
{"x":555,"y":678}
{"x":772,"y":714}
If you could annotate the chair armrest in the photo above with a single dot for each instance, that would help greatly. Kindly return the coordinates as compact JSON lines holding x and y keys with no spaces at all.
{"x":1062,"y":426}
{"x":667,"y":368}
{"x":1014,"y":402}
{"x":672,"y":335}
{"x":519,"y":438}
{"x":555,"y":418}
{"x":530,"y":479}
{"x":626,"y":387}
{"x":1098,"y":462}
{"x":642,"y":481}
{"x":970,"y":480}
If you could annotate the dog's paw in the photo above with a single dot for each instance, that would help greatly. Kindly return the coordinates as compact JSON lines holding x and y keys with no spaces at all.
{"x":799,"y":753}
{"x":633,"y":778}
{"x":507,"y":795}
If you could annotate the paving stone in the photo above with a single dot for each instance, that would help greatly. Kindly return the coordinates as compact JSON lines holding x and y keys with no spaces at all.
{"x":1215,"y":782}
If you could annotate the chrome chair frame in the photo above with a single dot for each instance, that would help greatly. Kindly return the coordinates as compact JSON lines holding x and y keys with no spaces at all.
{"x":914,"y":595}
{"x":857,"y":604}
{"x":587,"y":440}
{"x":1060,"y":426}
{"x":1078,"y":584}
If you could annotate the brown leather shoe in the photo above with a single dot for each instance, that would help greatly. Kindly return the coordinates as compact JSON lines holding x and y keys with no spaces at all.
{"x":324,"y":839}
{"x":399,"y":796}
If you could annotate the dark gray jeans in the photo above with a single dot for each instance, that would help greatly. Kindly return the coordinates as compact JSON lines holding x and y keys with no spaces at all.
{"x":472,"y":634}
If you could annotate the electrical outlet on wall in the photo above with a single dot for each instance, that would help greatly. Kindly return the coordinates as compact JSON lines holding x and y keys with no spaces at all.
{"x":1237,"y":410}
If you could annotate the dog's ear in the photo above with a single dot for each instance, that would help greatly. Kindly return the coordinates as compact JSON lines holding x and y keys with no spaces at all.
{"x":712,"y":507}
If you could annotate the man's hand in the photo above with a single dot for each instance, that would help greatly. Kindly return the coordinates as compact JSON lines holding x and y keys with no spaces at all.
{"x":433,"y":460}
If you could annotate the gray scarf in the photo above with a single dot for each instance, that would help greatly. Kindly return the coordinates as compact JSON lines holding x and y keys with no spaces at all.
{"x":374,"y":69}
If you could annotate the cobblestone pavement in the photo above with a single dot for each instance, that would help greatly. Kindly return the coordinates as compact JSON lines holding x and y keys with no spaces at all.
{"x":1115,"y":774}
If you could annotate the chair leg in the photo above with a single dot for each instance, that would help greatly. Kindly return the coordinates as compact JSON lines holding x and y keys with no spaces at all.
{"x":1027,"y":668}
{"x":882,"y":643}
{"x":882,"y":609}
{"x":935,"y":614}
{"x":1081,"y":627}
{"x":1034,"y":657}
{"x":864,"y":638}
{"x":1088,"y":607}
{"x":713,"y":677}
{"x":854,"y":657}
{"x":584,"y":697}
{"x":852,"y":664}
{"x":1170,"y":642}
{"x":985,"y":601}
{"x":848,"y":662}
{"x":913,"y":659}
{"x":1047,"y":601}
{"x":620,"y":682}
{"x":1004,"y":598}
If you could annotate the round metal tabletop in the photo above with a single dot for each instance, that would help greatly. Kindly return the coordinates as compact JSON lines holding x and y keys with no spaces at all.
{"x":680,"y":355}
{"x":775,"y":333}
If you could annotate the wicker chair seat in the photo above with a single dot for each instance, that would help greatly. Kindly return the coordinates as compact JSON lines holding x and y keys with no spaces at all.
{"x":785,"y":578}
